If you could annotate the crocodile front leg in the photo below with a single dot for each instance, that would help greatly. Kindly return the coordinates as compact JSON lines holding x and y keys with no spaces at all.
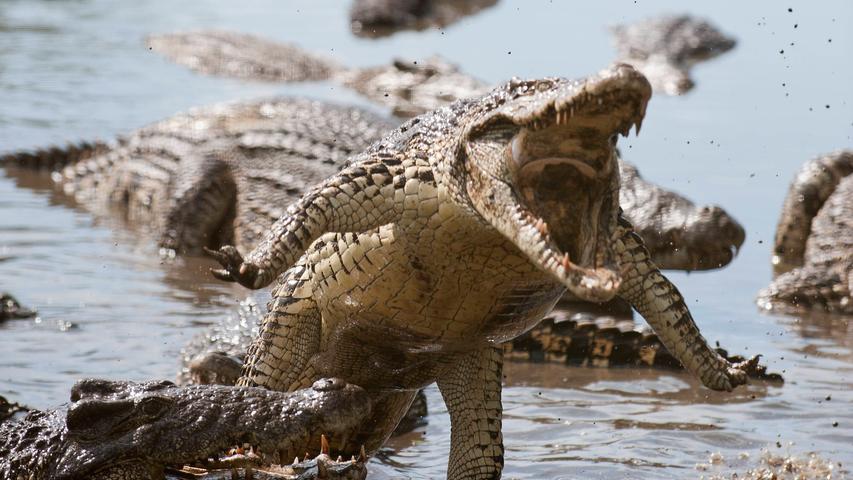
{"x":472,"y":393}
{"x":359,"y":198}
{"x":663,"y":307}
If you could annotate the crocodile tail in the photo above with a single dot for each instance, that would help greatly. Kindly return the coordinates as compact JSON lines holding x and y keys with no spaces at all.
{"x":54,"y":157}
{"x":230,"y":54}
{"x":812,"y":186}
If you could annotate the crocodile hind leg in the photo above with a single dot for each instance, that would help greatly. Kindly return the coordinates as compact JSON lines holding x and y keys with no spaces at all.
{"x":663,"y":307}
{"x":279,"y":358}
{"x":204,"y":198}
{"x":472,"y":392}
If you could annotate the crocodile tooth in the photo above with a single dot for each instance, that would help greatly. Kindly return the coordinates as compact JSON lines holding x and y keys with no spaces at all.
{"x":324,"y":445}
{"x":362,"y":455}
{"x":295,"y":460}
{"x":638,"y":124}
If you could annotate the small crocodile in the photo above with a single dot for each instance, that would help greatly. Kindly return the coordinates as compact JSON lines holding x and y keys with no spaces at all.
{"x":813,"y":249}
{"x":666,"y":48}
{"x":455,"y":233}
{"x":380,"y":18}
{"x":408,"y":88}
{"x":115,"y":430}
{"x":10,"y":308}
{"x":225,"y":173}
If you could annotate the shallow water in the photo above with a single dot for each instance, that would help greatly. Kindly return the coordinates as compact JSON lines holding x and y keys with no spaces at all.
{"x":109,"y":307}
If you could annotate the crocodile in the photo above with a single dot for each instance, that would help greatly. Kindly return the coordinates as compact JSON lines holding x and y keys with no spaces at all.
{"x":813,"y":247}
{"x":10,"y":308}
{"x":380,"y":18}
{"x":116,"y":430}
{"x":215,"y":174}
{"x":455,"y":233}
{"x":665,"y":48}
{"x":224,"y":173}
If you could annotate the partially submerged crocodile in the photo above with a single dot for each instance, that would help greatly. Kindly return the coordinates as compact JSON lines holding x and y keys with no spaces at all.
{"x":455,"y":233}
{"x":379,"y":18}
{"x":217,"y":174}
{"x":813,"y":249}
{"x":665,"y":48}
{"x":225,"y":173}
{"x":115,"y":430}
{"x":10,"y":308}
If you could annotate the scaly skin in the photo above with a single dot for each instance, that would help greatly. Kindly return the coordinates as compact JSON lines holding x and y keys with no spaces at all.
{"x":379,"y":18}
{"x":228,"y":178}
{"x":446,"y":239}
{"x":813,"y":251}
{"x":213,"y":175}
{"x":125,"y":430}
{"x":680,"y":234}
{"x":666,"y":48}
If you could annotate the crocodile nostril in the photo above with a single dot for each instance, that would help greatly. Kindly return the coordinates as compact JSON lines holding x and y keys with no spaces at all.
{"x":329,"y":384}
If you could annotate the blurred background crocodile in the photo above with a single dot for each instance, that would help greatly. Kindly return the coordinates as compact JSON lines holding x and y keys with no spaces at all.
{"x":663,"y":49}
{"x":379,"y":18}
{"x":813,"y":248}
{"x":115,"y":430}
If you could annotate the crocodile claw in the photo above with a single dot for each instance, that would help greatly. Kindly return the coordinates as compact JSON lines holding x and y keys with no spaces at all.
{"x":750,"y":367}
{"x":235,"y":268}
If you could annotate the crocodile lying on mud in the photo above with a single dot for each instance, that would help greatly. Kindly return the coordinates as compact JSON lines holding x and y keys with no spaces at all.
{"x":116,"y":430}
{"x":665,"y":48}
{"x":813,"y":248}
{"x":380,"y":18}
{"x":457,"y":232}
{"x":10,"y":308}
{"x":225,"y":173}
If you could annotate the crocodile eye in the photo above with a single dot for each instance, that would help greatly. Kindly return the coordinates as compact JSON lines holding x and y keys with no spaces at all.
{"x":154,"y":406}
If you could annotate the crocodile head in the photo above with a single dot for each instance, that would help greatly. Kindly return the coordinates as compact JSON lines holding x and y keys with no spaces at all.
{"x":145,"y":427}
{"x":542,"y":169}
{"x":679,"y":234}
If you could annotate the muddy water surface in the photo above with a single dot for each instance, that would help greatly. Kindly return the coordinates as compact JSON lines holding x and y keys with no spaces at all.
{"x":109,"y":307}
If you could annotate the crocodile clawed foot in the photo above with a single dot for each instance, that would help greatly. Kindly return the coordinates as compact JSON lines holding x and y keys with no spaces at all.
{"x":751,"y":367}
{"x":235,"y":268}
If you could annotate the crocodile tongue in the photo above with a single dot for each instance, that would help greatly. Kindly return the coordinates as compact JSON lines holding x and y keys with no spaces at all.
{"x":565,"y":187}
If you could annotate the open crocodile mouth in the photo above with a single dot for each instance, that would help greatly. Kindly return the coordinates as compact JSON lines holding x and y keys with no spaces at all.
{"x":565,"y":181}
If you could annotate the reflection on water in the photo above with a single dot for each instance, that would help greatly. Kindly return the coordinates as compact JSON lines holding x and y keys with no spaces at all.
{"x":110,"y":307}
